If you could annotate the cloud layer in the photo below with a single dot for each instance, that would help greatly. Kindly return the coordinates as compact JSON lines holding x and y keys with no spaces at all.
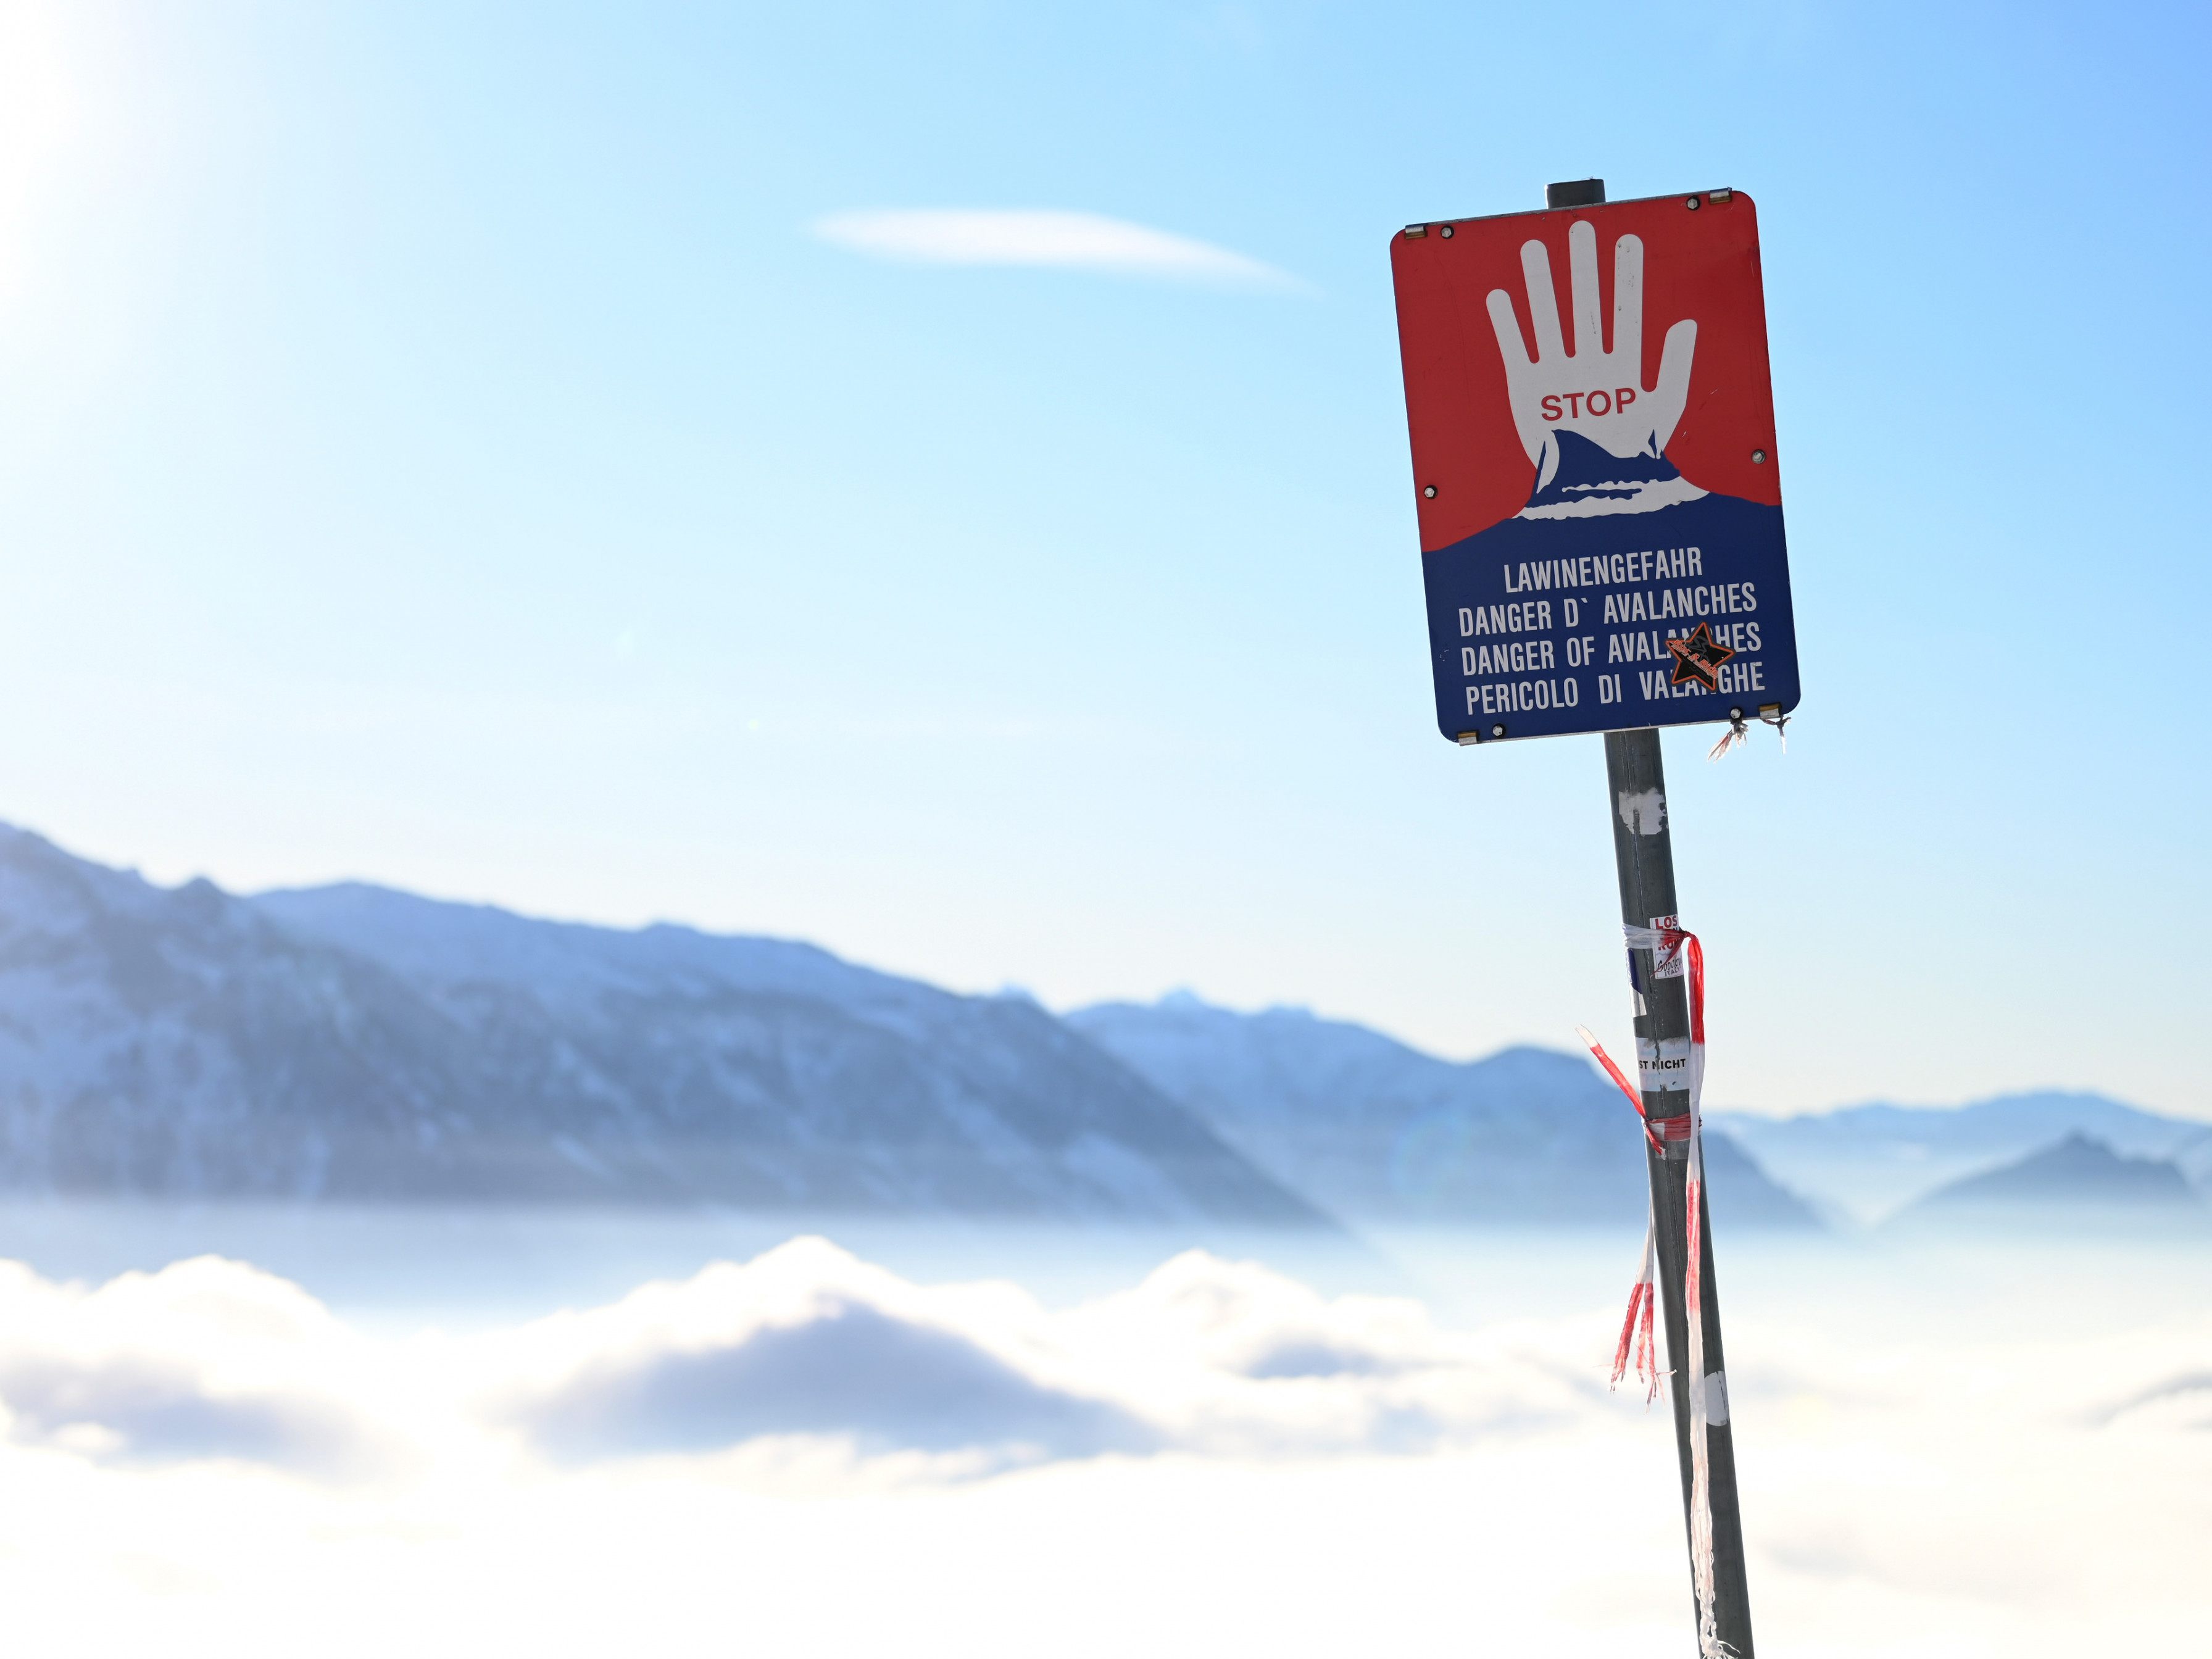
{"x":207,"y":1359}
{"x":802,"y":1344}
{"x":805,"y":1454}
{"x":1204,"y":1356}
{"x":1043,"y":238}
{"x":214,"y":1360}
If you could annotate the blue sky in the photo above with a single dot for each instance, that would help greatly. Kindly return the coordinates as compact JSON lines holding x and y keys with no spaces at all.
{"x":441,"y":447}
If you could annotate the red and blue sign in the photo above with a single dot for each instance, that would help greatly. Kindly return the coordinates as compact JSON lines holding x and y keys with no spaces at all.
{"x":1594,"y":467}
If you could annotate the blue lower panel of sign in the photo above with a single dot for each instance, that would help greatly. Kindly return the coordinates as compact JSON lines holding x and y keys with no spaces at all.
{"x":1597,"y":622}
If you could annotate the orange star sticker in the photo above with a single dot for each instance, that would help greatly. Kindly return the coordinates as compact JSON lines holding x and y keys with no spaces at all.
{"x":1698,"y":659}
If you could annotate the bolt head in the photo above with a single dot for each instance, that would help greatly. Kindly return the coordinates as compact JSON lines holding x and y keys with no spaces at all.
{"x":1497,"y":731}
{"x":1695,"y":203}
{"x":1446,"y":231}
{"x":1759,"y":458}
{"x":1429,"y":491}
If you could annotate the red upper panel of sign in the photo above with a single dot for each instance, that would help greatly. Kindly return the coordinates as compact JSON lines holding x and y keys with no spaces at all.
{"x":1480,"y":399}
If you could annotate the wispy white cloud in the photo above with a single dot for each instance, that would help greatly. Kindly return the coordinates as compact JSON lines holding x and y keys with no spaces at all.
{"x":1046,"y":238}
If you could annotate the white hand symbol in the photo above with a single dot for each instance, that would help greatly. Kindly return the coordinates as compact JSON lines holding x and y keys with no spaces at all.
{"x":1594,"y":392}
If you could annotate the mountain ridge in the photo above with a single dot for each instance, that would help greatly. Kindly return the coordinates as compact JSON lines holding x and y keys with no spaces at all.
{"x":1377,"y":1130}
{"x":191,"y":1042}
{"x":358,"y":1041}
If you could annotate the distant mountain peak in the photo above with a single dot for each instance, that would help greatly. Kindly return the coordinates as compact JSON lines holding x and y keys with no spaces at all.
{"x":2073,"y":1175}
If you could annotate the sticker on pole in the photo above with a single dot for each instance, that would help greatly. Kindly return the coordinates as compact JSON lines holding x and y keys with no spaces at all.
{"x":1595,"y":468}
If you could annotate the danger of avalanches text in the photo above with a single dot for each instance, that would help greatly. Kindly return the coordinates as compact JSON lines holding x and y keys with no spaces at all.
{"x":1492,"y":656}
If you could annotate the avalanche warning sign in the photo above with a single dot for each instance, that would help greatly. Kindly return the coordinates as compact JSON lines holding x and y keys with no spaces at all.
{"x":1599,"y":491}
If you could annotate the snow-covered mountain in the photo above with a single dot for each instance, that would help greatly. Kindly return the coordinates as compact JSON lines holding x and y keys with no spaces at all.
{"x":1869,"y":1161}
{"x":354,"y":1042}
{"x":1377,"y":1131}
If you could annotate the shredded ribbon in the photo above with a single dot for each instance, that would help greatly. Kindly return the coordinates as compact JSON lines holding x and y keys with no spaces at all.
{"x":1739,"y":731}
{"x":1637,"y":1327}
{"x":1677,"y":952}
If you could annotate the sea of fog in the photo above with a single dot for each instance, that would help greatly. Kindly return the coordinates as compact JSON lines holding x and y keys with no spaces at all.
{"x":246,"y":1430}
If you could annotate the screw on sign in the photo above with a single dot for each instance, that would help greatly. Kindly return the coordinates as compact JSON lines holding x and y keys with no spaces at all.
{"x":1603,"y":549}
{"x":1613,"y":461}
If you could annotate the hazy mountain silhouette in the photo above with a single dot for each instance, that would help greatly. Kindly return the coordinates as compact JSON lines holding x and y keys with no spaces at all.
{"x":1868,"y":1161}
{"x":2077,"y":1178}
{"x":1377,"y":1131}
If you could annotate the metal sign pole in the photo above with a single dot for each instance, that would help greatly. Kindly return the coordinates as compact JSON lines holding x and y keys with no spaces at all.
{"x":1643,"y":856}
{"x":1645,"y":861}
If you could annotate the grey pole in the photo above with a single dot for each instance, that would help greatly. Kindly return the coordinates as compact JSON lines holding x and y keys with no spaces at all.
{"x":1643,"y":856}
